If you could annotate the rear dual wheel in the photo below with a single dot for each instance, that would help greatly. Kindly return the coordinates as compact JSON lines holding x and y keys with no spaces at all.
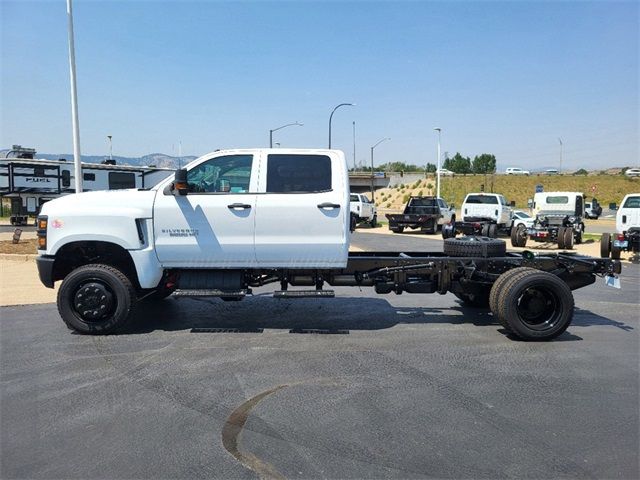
{"x":532,"y":304}
{"x":519,"y":236}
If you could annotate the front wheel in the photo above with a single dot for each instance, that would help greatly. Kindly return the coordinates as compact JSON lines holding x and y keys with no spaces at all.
{"x":96,"y":299}
{"x":374,"y":221}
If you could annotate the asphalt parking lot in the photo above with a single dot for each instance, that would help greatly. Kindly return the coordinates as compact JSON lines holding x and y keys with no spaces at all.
{"x":414,"y":386}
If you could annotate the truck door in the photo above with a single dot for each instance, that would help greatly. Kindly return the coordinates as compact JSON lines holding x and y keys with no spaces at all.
{"x":302,"y":218}
{"x":213,"y":225}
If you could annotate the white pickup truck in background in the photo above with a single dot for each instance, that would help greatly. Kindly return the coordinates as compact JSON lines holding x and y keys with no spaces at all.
{"x":362,"y":210}
{"x":235,"y":220}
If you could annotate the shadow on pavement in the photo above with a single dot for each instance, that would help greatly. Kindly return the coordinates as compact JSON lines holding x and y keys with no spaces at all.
{"x":264,"y":312}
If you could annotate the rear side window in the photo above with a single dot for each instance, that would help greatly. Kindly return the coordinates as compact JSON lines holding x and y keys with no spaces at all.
{"x":560,"y":200}
{"x":632,"y":202}
{"x":298,"y":173}
{"x":483,"y":199}
{"x":354,"y":198}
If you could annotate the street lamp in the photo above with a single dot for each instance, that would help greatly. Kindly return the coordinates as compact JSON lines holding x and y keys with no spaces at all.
{"x":110,"y":147}
{"x":439,"y":130}
{"x":280,"y":128}
{"x":331,"y":117}
{"x":560,"y":168}
{"x":372,"y":197}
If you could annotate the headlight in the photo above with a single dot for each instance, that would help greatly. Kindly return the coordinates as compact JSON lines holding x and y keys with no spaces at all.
{"x":572,"y":219}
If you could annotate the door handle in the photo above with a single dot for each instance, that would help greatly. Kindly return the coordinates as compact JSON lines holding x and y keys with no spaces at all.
{"x":328,"y":205}
{"x":241,"y":206}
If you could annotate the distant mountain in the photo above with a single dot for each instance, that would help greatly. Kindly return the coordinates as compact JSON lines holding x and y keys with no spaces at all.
{"x":153,"y":159}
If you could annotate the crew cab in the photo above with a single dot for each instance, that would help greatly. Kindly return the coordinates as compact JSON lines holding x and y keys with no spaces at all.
{"x":234,"y":220}
{"x":627,"y":236}
{"x":362,"y":210}
{"x":483,"y":214}
{"x":424,"y":213}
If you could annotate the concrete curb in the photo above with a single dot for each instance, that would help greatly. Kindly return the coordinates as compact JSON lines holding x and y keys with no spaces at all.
{"x":17,"y":257}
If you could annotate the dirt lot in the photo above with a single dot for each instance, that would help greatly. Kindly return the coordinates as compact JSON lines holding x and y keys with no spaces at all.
{"x":27,"y":246}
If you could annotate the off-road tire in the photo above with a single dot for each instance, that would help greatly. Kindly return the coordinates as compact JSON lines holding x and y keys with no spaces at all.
{"x":496,"y":289}
{"x":397,"y":229}
{"x":374,"y":222}
{"x":568,"y":238}
{"x":99,"y":281}
{"x":475,"y":247}
{"x":561,"y":238}
{"x":605,"y":245}
{"x":535,"y":305}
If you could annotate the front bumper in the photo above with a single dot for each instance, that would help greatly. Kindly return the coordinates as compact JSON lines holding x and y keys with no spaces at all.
{"x":45,"y":270}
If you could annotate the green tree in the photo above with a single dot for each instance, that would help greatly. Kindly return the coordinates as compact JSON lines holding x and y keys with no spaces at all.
{"x":460,"y":164}
{"x":582,"y":171}
{"x":484,"y":163}
{"x":431,"y":168}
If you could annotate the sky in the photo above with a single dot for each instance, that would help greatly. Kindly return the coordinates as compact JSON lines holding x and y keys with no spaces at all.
{"x":507,"y":78}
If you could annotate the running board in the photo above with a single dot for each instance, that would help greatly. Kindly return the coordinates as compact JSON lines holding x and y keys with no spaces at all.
{"x":304,"y":294}
{"x":211,"y":293}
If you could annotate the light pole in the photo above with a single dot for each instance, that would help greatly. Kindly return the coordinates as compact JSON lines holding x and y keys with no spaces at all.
{"x":110,"y":147}
{"x":354,"y":145}
{"x":280,"y":128}
{"x":439,"y":130}
{"x":331,"y":117}
{"x":74,"y":102}
{"x":560,"y":169}
{"x":372,"y":197}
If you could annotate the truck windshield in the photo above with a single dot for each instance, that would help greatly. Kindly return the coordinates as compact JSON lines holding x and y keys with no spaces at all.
{"x":486,"y":199}
{"x":632,"y":202}
{"x":560,"y":200}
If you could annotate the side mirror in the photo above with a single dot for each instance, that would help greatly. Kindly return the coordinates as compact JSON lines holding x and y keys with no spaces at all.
{"x":180,"y":186}
{"x":452,"y":206}
{"x":513,"y":203}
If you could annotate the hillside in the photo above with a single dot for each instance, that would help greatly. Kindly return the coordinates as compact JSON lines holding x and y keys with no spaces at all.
{"x":609,"y":188}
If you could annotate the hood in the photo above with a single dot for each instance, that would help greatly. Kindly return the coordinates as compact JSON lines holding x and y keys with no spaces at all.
{"x":105,"y":203}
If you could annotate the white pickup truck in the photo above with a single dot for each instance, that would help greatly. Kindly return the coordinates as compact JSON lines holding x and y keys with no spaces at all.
{"x":483,"y":214}
{"x":362,"y":210}
{"x":238,"y":219}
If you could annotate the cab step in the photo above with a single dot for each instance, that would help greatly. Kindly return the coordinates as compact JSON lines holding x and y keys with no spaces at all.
{"x":304,"y":294}
{"x":211,"y":293}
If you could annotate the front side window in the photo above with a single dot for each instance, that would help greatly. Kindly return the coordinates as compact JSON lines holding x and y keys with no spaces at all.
{"x":298,"y":173}
{"x":354,"y":198}
{"x":228,"y":174}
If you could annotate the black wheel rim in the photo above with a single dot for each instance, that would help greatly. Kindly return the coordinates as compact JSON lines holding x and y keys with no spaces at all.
{"x":539,"y":307}
{"x":93,"y":301}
